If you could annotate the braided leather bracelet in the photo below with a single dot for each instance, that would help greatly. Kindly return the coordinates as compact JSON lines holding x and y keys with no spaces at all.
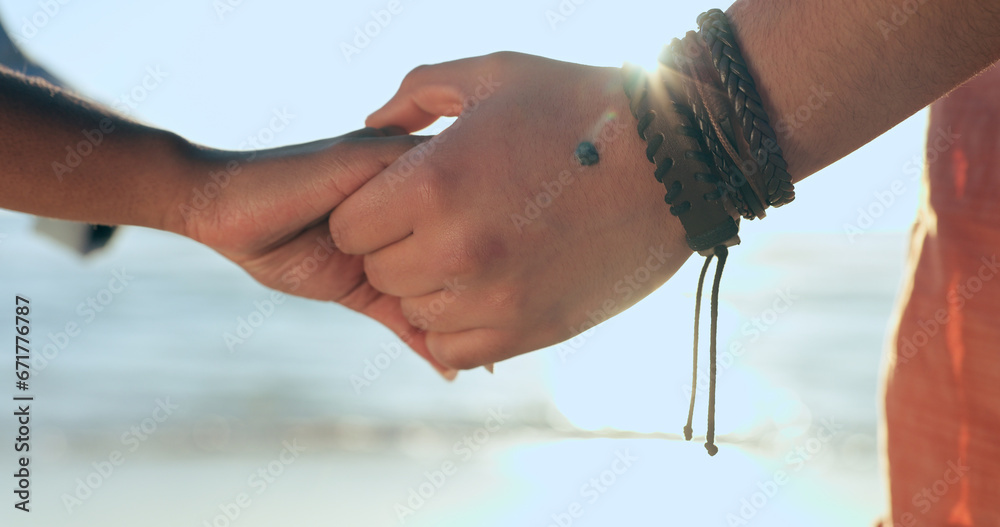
{"x":758,"y":135}
{"x":714,"y":150}
{"x":689,"y":59}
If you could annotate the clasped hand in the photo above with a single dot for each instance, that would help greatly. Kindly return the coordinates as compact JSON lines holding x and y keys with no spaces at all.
{"x":486,"y":241}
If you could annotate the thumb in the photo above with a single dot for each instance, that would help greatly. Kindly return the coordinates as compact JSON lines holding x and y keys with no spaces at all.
{"x":352,"y":162}
{"x":430,"y":92}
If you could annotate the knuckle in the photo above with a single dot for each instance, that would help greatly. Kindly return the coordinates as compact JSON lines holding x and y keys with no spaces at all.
{"x":438,"y":306}
{"x":375,"y":273}
{"x":416,"y":74}
{"x":430,"y":190}
{"x":456,"y":357}
{"x":457,"y":262}
{"x":472,"y":252}
{"x":339,"y":230}
{"x":499,"y":59}
{"x":414,"y":314}
{"x":507,"y":299}
{"x":462,"y":257}
{"x":494,"y":347}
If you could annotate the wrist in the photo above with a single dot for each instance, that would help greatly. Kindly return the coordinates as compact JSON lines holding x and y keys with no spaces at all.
{"x":144,"y":177}
{"x":179,"y":166}
{"x":201,"y":175}
{"x":657,"y":229}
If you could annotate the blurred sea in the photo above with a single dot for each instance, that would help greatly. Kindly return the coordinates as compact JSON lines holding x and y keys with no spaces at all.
{"x":810,"y":313}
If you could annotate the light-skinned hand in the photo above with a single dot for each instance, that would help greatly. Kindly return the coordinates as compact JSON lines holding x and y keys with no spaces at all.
{"x":495,"y":238}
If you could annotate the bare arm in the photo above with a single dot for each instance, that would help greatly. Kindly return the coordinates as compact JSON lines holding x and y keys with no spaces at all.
{"x":547,"y":248}
{"x":266,"y":211}
{"x":66,"y":158}
{"x":876,"y":63}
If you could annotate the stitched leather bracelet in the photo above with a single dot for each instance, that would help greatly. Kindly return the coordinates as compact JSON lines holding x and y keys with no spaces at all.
{"x":677,"y":150}
{"x":714,"y":150}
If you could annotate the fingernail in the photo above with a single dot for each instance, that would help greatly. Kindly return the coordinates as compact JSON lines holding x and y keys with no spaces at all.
{"x":489,"y":367}
{"x":449,"y":374}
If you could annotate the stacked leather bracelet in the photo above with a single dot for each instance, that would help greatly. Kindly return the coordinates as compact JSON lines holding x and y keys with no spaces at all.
{"x":709,"y":138}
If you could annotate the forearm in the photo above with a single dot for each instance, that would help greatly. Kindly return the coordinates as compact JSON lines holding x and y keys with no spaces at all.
{"x":65,"y":158}
{"x":873,"y":70}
